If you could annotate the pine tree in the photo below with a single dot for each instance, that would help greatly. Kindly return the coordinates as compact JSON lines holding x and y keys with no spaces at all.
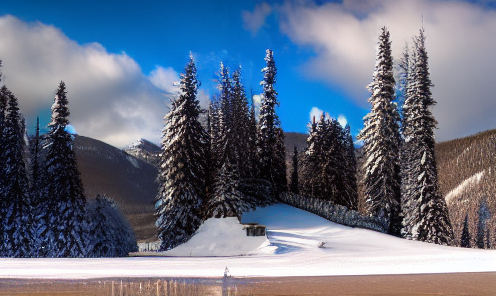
{"x":311,"y":161}
{"x":483,"y":215}
{"x":350,"y":169}
{"x":294,"y":187}
{"x":381,"y":139}
{"x":3,"y":107}
{"x":110,"y":233}
{"x":271,"y":137}
{"x":240,"y":125}
{"x":433,"y":220}
{"x":62,"y":187}
{"x":409,"y":203}
{"x":226,"y":200}
{"x":14,"y":192}
{"x":466,"y":239}
{"x":181,"y":195}
{"x":252,"y":158}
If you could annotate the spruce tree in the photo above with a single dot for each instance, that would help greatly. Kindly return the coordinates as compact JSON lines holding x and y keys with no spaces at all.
{"x":62,"y":187}
{"x":110,"y":233}
{"x":311,"y":161}
{"x":433,"y":220}
{"x":350,"y":169}
{"x":240,"y":125}
{"x":381,"y":139}
{"x":409,"y":202}
{"x":271,"y":137}
{"x":483,"y":216}
{"x":181,"y":178}
{"x":3,"y":107}
{"x":465,"y":241}
{"x":294,"y":187}
{"x":226,"y":200}
{"x":14,"y":192}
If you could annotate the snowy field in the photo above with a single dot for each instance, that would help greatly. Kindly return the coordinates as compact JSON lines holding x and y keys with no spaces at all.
{"x":294,"y":236}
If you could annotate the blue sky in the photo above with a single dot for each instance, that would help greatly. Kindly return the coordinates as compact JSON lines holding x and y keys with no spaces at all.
{"x":126,"y":54}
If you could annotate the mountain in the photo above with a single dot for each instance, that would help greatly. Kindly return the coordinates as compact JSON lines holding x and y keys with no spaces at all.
{"x":128,"y":180}
{"x":144,"y":150}
{"x":467,"y":179}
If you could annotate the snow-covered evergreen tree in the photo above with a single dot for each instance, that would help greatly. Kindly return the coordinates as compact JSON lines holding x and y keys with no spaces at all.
{"x":409,"y":203}
{"x":465,"y":241}
{"x":64,"y":206}
{"x":253,"y":169}
{"x":110,"y":234}
{"x":181,"y":178}
{"x":312,"y":153}
{"x":14,"y":193}
{"x":433,"y":224}
{"x":381,"y":137}
{"x":39,"y":203}
{"x":226,"y":200}
{"x":350,"y":169}
{"x":240,"y":125}
{"x":294,"y":186}
{"x":3,"y":107}
{"x":271,"y":137}
{"x":325,"y":172}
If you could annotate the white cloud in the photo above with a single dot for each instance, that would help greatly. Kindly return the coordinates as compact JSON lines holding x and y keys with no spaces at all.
{"x":165,"y":79}
{"x":315,"y":113}
{"x":110,"y":99}
{"x":253,"y":21}
{"x":460,"y":43}
{"x":342,"y":120}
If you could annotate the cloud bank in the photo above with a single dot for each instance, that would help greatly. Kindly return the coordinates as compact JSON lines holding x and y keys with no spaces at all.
{"x":110,"y":99}
{"x":253,"y":21}
{"x":460,"y":43}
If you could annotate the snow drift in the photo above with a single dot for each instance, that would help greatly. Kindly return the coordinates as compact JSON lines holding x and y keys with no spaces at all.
{"x":218,"y":237}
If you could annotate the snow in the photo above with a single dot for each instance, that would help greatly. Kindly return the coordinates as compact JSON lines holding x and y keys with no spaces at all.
{"x":219,"y":237}
{"x":133,"y":161}
{"x":473,"y":180}
{"x":294,"y":237}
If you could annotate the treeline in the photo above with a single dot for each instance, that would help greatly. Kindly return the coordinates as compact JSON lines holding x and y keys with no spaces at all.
{"x":398,"y":182}
{"x":232,"y":165}
{"x":43,"y":209}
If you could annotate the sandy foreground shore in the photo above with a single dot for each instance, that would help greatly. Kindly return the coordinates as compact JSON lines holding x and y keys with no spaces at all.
{"x":419,"y":284}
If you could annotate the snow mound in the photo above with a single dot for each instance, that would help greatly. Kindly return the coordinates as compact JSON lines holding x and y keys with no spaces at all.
{"x":222,"y":237}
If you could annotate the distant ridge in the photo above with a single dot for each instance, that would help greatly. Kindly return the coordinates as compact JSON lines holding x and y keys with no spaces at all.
{"x":128,"y":180}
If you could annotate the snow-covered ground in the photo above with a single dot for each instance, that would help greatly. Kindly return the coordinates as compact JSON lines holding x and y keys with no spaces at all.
{"x":218,"y":238}
{"x":294,"y":237}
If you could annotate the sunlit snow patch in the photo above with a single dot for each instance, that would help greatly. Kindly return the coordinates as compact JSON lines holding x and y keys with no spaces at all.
{"x":133,"y":161}
{"x":220,"y":237}
{"x":473,"y":180}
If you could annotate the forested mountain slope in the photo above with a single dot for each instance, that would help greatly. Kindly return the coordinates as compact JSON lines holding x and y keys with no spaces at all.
{"x":124,"y":178}
{"x":467,"y":179}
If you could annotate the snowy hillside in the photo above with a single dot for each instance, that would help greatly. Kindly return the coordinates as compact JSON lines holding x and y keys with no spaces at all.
{"x":218,"y":237}
{"x":295,"y":236}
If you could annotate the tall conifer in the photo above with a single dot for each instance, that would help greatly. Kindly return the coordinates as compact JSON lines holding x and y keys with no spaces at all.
{"x":271,"y":137}
{"x":181,"y":178}
{"x":62,"y":187}
{"x":381,"y":139}
{"x":433,"y":223}
{"x":14,"y":192}
{"x":294,"y":187}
